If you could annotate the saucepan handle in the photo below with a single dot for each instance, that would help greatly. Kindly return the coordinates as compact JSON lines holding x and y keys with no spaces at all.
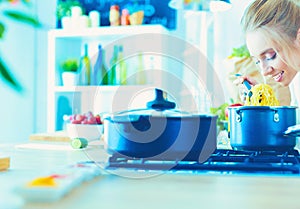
{"x":293,"y":131}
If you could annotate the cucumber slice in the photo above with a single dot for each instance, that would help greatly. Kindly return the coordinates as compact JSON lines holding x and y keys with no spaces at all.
{"x":79,"y":143}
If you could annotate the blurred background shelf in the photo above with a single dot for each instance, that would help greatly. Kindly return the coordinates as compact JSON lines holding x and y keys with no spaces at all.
{"x":103,"y":88}
{"x":66,"y":44}
{"x":111,"y":31}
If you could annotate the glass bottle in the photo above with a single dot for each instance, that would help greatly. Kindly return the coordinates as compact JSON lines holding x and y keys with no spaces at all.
{"x":141,"y":76}
{"x":85,"y":66}
{"x":99,"y":69}
{"x":121,"y":66}
{"x":112,"y":77}
{"x":104,"y":70}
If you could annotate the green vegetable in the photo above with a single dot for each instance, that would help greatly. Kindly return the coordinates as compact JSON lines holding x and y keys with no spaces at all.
{"x":240,"y":52}
{"x":79,"y":143}
{"x":220,"y":111}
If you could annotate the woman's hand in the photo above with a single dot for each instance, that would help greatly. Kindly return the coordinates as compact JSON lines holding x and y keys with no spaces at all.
{"x":243,"y":91}
{"x":240,"y":80}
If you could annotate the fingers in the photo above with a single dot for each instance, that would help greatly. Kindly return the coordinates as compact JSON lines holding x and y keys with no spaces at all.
{"x":241,"y":79}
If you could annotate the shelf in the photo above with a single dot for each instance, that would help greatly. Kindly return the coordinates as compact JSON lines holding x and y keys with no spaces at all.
{"x":107,"y":31}
{"x":97,"y":88}
{"x":63,"y":44}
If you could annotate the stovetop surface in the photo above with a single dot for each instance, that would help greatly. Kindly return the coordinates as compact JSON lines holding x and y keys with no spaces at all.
{"x":222,"y":160}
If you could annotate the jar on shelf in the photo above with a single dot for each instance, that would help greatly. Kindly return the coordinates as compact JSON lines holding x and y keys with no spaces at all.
{"x":125,"y":17}
{"x":94,"y":18}
{"x":114,"y":15}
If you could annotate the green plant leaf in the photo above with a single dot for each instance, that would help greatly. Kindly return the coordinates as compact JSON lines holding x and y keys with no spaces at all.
{"x":70,"y":65}
{"x":242,"y":51}
{"x":2,"y":30}
{"x":26,"y":2}
{"x":5,"y":73}
{"x":64,"y":8}
{"x":22,"y":17}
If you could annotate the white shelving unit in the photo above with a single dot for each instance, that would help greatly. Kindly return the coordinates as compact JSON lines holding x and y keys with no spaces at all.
{"x":63,"y":44}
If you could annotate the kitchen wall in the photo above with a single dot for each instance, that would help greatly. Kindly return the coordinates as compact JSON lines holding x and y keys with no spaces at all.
{"x":17,"y":110}
{"x":25,"y":51}
{"x":214,"y":35}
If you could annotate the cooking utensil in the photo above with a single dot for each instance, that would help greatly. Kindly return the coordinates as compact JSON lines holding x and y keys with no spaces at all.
{"x":161,"y":132}
{"x":247,"y":85}
{"x":263,"y":127}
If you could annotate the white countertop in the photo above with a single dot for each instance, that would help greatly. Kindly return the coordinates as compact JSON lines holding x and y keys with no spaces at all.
{"x":158,"y":191}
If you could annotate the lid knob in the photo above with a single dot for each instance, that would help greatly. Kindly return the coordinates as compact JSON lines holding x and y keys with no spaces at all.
{"x":160,"y":103}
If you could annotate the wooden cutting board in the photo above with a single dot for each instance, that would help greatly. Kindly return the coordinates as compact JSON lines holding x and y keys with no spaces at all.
{"x":58,"y":136}
{"x":4,"y":163}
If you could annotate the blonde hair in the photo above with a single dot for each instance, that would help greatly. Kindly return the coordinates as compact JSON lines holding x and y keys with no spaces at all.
{"x":278,"y":20}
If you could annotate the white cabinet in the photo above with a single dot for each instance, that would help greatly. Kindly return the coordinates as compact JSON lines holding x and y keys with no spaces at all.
{"x":63,"y":44}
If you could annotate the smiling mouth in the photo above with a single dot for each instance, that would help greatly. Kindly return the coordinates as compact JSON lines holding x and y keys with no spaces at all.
{"x":278,"y":77}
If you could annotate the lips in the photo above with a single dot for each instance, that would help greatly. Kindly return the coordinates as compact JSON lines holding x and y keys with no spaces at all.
{"x":278,"y":77}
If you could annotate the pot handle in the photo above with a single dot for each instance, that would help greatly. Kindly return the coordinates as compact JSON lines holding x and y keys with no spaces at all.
{"x":293,"y":131}
{"x":160,"y":102}
{"x":276,"y":117}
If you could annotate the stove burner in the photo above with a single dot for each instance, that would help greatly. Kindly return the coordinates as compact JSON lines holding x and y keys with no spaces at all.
{"x":224,"y":161}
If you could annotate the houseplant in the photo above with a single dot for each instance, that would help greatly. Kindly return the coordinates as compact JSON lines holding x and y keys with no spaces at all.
{"x":70,"y":71}
{"x":12,"y":11}
{"x":63,"y":12}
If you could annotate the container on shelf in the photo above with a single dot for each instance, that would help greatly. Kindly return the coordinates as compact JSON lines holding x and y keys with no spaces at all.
{"x":113,"y":78}
{"x":114,"y":15}
{"x":122,"y":67}
{"x":85,"y":67}
{"x":94,"y":18}
{"x":76,"y":11}
{"x":125,"y":17}
{"x":100,"y":71}
{"x":140,"y":71}
{"x":69,"y":78}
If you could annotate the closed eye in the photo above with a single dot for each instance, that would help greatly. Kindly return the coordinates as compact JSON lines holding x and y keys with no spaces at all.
{"x":267,"y":57}
{"x":272,"y":57}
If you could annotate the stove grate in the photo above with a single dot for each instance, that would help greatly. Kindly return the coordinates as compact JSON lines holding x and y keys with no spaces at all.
{"x":220,"y":161}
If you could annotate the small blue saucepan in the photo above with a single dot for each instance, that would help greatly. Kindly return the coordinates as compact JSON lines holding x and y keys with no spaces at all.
{"x":263,"y":127}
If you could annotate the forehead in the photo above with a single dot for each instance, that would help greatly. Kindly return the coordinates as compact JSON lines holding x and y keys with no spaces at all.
{"x":257,"y":43}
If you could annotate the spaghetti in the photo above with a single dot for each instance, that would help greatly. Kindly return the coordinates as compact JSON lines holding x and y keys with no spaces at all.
{"x":262,"y":95}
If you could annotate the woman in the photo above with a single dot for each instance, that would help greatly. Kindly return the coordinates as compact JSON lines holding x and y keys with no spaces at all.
{"x":272,"y":30}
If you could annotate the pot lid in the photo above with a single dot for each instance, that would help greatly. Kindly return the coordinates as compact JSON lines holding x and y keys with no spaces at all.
{"x":159,"y":107}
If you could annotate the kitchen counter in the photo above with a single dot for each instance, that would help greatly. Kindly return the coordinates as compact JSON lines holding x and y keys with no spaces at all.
{"x":157,"y":191}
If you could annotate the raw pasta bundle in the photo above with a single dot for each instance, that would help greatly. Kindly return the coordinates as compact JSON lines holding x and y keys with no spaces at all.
{"x":262,"y":95}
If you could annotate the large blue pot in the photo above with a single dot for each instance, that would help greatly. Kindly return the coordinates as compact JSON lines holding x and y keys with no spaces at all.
{"x":262,"y":127}
{"x":160,"y":132}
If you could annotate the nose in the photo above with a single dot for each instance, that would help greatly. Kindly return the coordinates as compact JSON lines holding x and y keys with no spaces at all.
{"x":266,"y":69}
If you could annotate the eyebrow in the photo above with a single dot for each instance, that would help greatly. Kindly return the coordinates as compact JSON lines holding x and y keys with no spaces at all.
{"x":265,"y":51}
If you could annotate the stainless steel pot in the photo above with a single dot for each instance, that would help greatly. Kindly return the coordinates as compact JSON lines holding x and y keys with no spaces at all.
{"x":160,"y":132}
{"x":263,"y":127}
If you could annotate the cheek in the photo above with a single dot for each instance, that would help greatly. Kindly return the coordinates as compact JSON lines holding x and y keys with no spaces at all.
{"x":279,"y":65}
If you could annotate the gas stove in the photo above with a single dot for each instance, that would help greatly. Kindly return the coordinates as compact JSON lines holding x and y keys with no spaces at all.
{"x":221,"y":161}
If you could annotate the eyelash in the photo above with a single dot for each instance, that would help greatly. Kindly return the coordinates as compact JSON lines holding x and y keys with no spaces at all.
{"x":268,"y":59}
{"x":271,"y":58}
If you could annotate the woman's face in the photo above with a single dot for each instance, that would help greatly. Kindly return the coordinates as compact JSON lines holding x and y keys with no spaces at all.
{"x":268,"y":59}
